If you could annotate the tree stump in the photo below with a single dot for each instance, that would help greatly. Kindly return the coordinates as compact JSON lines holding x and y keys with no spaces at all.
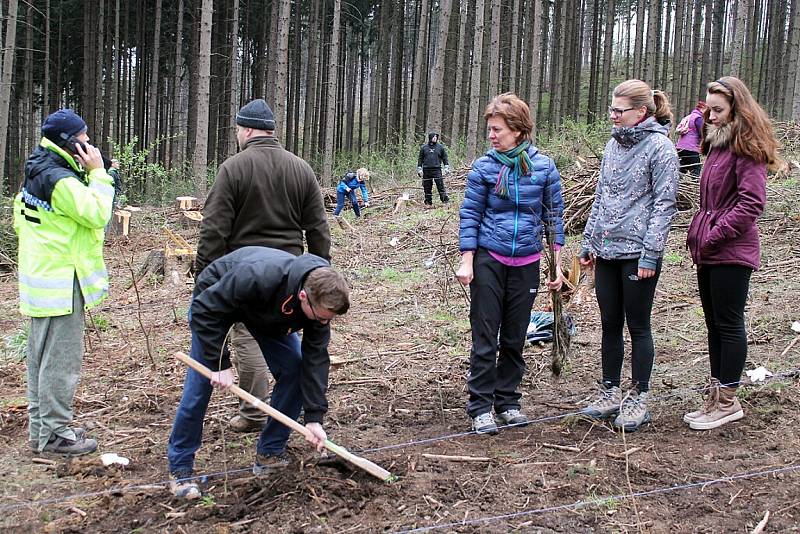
{"x":191,"y":219}
{"x":186,"y":203}
{"x":120,"y":223}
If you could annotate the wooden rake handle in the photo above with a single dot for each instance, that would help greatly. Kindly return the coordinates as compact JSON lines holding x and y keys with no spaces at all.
{"x":362,"y":463}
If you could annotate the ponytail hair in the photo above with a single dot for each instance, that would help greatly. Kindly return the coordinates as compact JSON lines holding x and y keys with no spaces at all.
{"x":640,"y":95}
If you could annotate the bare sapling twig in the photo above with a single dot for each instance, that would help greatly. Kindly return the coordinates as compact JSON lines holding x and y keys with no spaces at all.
{"x":139,"y":311}
{"x":561,"y":338}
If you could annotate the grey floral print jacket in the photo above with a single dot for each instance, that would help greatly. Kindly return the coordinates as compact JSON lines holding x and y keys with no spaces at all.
{"x":635,"y":198}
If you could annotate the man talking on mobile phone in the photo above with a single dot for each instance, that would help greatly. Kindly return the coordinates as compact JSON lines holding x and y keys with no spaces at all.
{"x":59,"y":215}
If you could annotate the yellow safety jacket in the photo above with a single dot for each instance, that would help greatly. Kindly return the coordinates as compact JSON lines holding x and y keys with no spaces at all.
{"x":59,"y":218}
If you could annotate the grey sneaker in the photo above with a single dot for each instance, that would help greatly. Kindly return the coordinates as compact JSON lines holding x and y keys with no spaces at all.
{"x":634,"y":412}
{"x":269,"y":463}
{"x":182,"y":488}
{"x":512,"y":417}
{"x":606,"y":404}
{"x":484,"y":424}
{"x":70,"y":447}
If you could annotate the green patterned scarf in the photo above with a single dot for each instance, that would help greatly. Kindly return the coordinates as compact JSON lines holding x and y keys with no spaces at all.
{"x":515,"y":162}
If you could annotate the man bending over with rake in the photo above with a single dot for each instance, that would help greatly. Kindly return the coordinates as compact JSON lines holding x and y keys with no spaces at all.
{"x":275,"y":294}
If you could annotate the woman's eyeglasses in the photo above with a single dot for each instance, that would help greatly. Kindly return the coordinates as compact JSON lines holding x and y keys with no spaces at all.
{"x":617,"y":112}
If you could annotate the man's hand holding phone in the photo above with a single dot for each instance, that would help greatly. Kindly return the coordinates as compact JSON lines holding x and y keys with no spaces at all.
{"x":89,"y":156}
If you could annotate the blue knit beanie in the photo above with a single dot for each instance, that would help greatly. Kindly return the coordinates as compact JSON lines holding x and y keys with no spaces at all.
{"x":257,"y":115}
{"x":62,"y":125}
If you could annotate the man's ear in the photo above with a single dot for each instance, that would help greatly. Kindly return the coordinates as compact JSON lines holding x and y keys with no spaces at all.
{"x":302,"y":295}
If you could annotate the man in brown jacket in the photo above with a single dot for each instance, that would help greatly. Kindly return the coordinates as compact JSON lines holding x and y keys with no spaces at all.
{"x":262,"y":196}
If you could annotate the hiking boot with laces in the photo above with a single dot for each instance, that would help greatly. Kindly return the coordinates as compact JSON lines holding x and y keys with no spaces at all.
{"x":726,"y":409}
{"x":183,"y":488}
{"x":243,"y":425}
{"x":711,"y":393}
{"x":70,"y":447}
{"x":606,"y":404}
{"x":79,"y":433}
{"x":634,"y":412}
{"x":484,"y":424}
{"x":512,"y":417}
{"x":269,"y":463}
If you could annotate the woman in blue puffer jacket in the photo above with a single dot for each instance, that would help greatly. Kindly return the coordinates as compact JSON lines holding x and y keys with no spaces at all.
{"x":513,"y":193}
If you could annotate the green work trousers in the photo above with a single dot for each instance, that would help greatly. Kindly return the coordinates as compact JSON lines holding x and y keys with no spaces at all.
{"x":55,"y":354}
{"x":252,"y":369}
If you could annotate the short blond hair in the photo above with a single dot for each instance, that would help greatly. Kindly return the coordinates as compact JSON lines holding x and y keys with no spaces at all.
{"x":363,"y":174}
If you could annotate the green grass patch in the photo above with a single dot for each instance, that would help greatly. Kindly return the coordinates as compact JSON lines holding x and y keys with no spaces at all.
{"x":15,"y":344}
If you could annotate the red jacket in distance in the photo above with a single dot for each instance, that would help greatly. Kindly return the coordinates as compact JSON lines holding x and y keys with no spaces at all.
{"x":732,"y":197}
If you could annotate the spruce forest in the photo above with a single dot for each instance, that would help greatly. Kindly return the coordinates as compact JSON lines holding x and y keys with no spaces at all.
{"x":351,"y":77}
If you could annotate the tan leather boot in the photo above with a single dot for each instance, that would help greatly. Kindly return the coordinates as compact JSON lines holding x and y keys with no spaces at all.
{"x":727,"y":409}
{"x":711,"y":394}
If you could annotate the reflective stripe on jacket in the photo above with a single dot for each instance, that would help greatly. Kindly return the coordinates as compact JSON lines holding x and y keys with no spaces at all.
{"x":59,"y":218}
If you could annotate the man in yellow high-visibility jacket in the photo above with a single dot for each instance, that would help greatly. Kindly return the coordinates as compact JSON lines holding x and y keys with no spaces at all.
{"x":59,"y":215}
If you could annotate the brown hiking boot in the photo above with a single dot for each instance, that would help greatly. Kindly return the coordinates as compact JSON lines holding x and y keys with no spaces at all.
{"x":711,"y":393}
{"x":727,"y":409}
{"x":240,"y":424}
{"x":267,"y":464}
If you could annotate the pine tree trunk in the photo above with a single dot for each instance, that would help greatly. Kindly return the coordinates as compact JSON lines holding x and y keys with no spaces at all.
{"x":665,"y":48}
{"x":46,"y":86}
{"x":282,"y":54}
{"x":651,"y":49}
{"x":177,"y":102}
{"x":395,"y":126}
{"x":200,"y":159}
{"x":515,"y":17}
{"x":419,"y":64}
{"x":638,"y":47}
{"x":5,"y":87}
{"x":697,"y":59}
{"x":437,"y":91}
{"x":605,"y":87}
{"x":311,"y":80}
{"x":152,"y":95}
{"x":327,"y":162}
{"x":494,"y":50}
{"x":474,"y":119}
{"x":534,"y":87}
{"x":738,"y":38}
{"x":455,"y":132}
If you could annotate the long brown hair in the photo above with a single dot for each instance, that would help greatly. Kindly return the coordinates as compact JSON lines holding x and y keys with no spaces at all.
{"x":640,"y":95}
{"x":751,"y":130}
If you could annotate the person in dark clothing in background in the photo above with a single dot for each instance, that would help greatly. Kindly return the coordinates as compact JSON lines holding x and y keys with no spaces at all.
{"x":432,"y":156}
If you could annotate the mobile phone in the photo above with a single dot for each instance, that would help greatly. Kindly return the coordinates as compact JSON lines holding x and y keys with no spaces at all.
{"x":71,"y":143}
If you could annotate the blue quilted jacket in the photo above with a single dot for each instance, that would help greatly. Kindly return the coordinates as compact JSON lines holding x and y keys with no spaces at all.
{"x":512,"y":226}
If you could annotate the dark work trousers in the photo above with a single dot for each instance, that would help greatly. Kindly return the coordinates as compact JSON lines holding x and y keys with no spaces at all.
{"x":723,"y":293}
{"x":689,"y":162}
{"x":428,"y":177}
{"x":623,"y":298}
{"x":501,"y":300}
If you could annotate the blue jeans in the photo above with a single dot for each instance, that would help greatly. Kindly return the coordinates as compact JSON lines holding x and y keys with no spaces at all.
{"x":340,"y":202}
{"x":283,"y":355}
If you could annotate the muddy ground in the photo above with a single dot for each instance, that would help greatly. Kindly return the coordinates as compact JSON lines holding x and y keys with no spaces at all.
{"x":402,"y":354}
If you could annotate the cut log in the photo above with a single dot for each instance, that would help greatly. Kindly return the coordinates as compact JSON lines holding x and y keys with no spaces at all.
{"x":401,"y":201}
{"x":186,"y":203}
{"x":191,"y":219}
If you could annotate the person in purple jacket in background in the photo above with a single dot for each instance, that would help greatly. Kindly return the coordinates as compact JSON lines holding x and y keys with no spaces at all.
{"x":739,"y":144}
{"x":688,"y":144}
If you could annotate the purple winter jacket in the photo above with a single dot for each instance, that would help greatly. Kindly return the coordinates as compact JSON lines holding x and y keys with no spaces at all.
{"x":733,"y":192}
{"x":691,"y":139}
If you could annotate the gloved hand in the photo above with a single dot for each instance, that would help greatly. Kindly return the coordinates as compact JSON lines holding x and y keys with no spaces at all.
{"x":366,"y":204}
{"x":347,"y":189}
{"x":447,"y":169}
{"x":419,"y":172}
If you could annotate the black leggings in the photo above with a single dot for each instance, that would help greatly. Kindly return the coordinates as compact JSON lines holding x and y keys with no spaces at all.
{"x":623,"y":298}
{"x":690,"y":162}
{"x":723,"y":292}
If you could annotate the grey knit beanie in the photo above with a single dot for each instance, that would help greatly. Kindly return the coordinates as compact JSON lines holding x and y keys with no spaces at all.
{"x":256,"y":114}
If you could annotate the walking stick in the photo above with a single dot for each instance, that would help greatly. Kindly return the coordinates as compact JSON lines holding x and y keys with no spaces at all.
{"x":370,"y":467}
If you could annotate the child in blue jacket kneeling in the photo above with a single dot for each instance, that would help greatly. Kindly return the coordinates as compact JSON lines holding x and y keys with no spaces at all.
{"x":348,"y":184}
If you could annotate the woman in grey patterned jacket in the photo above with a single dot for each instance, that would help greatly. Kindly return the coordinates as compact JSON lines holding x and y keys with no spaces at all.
{"x":624,"y":242}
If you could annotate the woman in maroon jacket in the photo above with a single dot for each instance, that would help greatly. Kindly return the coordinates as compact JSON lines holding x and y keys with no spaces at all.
{"x":739,"y":145}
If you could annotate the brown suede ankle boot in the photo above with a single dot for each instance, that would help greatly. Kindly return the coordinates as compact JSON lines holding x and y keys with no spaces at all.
{"x":711,"y":394}
{"x":727,"y":409}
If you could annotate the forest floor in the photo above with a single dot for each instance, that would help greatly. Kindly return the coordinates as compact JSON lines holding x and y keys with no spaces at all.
{"x":397,"y":396}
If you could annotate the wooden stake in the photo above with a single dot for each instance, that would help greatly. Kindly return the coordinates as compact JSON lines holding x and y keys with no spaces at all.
{"x":762,"y":525}
{"x":370,"y":467}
